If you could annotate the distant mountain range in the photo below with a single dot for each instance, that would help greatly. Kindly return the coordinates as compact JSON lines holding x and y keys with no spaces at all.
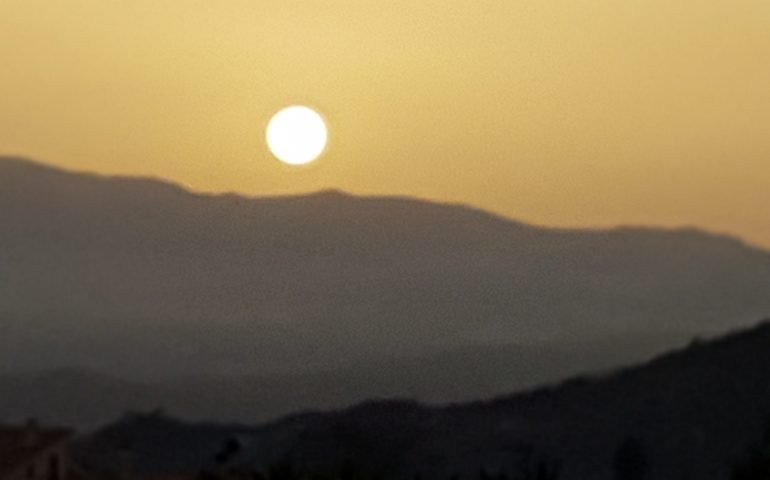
{"x":693,"y":413}
{"x":132,"y":292}
{"x":87,"y":398}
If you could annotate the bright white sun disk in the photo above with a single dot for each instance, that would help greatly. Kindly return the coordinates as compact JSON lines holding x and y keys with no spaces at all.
{"x":296,"y":135}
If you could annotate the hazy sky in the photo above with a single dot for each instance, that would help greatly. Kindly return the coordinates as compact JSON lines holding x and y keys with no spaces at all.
{"x":558,"y":112}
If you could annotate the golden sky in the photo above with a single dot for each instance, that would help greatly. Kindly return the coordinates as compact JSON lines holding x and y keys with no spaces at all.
{"x":557,"y":112}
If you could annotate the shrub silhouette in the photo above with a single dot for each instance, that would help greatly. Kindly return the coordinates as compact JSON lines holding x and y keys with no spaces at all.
{"x":757,"y":464}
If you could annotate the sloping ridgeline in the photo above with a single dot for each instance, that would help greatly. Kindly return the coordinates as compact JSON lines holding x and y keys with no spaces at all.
{"x":693,"y":413}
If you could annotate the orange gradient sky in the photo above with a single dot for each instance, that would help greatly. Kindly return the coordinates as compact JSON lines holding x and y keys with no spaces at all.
{"x":556,"y":112}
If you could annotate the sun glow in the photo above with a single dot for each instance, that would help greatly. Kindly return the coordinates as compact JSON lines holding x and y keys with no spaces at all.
{"x":296,"y":135}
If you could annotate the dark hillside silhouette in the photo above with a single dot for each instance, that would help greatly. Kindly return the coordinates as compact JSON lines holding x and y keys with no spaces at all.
{"x":691,"y":413}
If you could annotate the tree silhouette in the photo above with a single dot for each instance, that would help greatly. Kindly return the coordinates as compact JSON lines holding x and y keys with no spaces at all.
{"x":283,"y":470}
{"x":630,"y":461}
{"x":230,"y":449}
{"x":544,"y":470}
{"x":538,"y":468}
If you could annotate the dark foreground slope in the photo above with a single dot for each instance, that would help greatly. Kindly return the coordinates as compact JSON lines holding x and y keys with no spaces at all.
{"x":694,"y":413}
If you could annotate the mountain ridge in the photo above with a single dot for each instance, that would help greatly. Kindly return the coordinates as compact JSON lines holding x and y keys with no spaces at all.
{"x":331,"y":193}
{"x":151,"y":283}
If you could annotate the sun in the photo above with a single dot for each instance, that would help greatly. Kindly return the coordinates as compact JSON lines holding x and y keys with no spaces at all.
{"x":296,"y":135}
